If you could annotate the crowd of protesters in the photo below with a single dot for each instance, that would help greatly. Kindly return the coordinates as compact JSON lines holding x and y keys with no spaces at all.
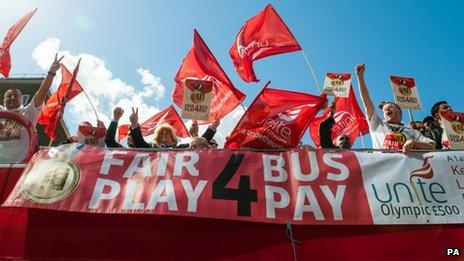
{"x":389,"y":133}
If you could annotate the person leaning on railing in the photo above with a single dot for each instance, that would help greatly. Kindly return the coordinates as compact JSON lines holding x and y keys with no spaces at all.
{"x":438,"y":107}
{"x":16,"y":140}
{"x":165,"y":134}
{"x":389,"y":133}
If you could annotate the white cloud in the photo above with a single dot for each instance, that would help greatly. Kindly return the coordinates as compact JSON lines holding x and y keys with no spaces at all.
{"x":152,"y":84}
{"x":104,"y":90}
{"x":45,"y":51}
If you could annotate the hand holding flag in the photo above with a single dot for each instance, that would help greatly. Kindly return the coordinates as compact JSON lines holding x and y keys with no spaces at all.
{"x":68,"y":89}
{"x":201,"y":64}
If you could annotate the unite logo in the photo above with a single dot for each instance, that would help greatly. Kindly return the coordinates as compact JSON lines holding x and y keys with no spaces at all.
{"x":425,"y":172}
{"x":344,"y":123}
{"x":291,"y":114}
{"x":252,"y":47}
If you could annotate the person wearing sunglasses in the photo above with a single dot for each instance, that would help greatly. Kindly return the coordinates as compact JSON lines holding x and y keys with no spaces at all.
{"x":438,"y":107}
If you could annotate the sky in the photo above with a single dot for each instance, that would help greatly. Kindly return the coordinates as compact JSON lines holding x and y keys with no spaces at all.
{"x":131,"y":50}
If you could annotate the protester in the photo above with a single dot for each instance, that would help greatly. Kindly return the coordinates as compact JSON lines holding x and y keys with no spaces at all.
{"x":110,"y":140}
{"x":419,"y":126}
{"x":213,"y":144}
{"x":13,"y":98}
{"x":325,"y":133}
{"x":90,"y":135}
{"x":438,"y":107}
{"x":165,"y":134}
{"x":13,"y":147}
{"x":389,"y":133}
{"x":199,"y":143}
{"x":433,"y":131}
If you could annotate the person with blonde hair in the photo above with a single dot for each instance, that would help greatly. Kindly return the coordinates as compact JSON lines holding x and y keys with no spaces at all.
{"x":165,"y":134}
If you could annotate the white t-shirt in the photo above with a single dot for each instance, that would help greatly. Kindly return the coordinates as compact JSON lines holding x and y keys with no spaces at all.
{"x":14,"y":138}
{"x":392,"y":136}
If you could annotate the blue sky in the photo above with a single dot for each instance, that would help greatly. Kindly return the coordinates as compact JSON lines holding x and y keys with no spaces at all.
{"x":140,"y":45}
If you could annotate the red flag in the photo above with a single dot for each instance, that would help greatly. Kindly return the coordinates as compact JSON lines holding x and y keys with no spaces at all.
{"x":201,"y":64}
{"x":168,"y":115}
{"x":277,"y":119}
{"x":123,"y":131}
{"x":13,"y":32}
{"x":349,"y":120}
{"x":263,"y":35}
{"x":53,"y":110}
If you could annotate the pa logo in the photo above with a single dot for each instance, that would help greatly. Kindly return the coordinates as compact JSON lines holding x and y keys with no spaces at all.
{"x":452,"y":252}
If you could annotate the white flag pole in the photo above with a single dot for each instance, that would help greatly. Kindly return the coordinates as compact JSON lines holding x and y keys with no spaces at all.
{"x":91,"y":104}
{"x":410,"y":115}
{"x":312,"y":70}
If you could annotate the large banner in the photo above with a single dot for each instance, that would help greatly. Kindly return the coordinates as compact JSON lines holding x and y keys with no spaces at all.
{"x":324,"y":187}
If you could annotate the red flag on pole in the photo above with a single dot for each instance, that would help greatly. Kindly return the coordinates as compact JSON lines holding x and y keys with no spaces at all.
{"x":277,"y":119}
{"x":201,"y":64}
{"x":349,"y":120}
{"x":13,"y":32}
{"x":263,"y":35}
{"x":168,"y":115}
{"x":53,"y":110}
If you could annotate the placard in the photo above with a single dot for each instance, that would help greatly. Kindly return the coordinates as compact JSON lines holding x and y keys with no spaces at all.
{"x":197,"y":99}
{"x":453,"y":125}
{"x":405,"y":92}
{"x":337,"y":84}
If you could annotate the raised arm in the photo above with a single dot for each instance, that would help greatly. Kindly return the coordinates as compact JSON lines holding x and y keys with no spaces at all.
{"x":41,"y":94}
{"x":365,"y":97}
{"x":110,"y":140}
{"x":325,"y":129}
{"x":211,"y":130}
{"x":136,"y":132}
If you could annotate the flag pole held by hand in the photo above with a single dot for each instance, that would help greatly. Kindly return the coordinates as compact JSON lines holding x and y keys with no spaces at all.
{"x":312,"y":70}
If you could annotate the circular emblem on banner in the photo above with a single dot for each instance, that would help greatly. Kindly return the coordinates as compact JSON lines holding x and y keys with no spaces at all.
{"x":336,"y":82}
{"x":197,"y":96}
{"x":50,"y":181}
{"x":458,"y":127}
{"x":404,"y":90}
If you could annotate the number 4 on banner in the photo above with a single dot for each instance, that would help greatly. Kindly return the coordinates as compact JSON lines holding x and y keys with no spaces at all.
{"x":244,"y":195}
